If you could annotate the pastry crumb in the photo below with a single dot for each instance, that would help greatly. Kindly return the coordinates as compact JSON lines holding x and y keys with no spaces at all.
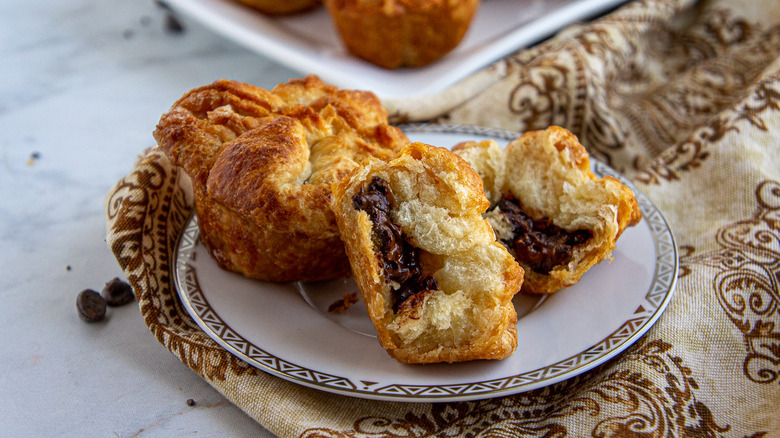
{"x":344,"y":303}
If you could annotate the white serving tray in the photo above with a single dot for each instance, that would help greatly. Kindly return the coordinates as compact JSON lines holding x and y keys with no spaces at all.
{"x":309,"y":43}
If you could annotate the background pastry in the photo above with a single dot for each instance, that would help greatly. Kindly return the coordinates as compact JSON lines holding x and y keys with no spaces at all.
{"x":437,"y":285}
{"x":401,"y":33}
{"x":280,"y":7}
{"x":261,"y":164}
{"x":548,"y":207}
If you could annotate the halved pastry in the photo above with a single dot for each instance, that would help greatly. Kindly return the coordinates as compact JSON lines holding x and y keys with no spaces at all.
{"x":437,"y":285}
{"x":548,"y":208}
{"x":262,"y":162}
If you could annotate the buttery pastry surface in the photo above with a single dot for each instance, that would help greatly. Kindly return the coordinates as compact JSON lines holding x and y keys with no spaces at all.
{"x":401,"y":33}
{"x":546,"y":175}
{"x":461,"y":309}
{"x":262,"y":162}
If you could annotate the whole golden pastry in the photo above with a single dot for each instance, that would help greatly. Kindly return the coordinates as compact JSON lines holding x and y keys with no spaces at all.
{"x":262,"y":162}
{"x":436,"y":284}
{"x":548,"y":207}
{"x":401,"y":33}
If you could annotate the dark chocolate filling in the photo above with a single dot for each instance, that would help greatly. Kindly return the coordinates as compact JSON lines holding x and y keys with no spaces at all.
{"x":400,"y":261}
{"x":539,"y":243}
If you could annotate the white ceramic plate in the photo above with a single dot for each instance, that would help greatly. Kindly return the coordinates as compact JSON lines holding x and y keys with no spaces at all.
{"x":286,"y":329}
{"x":309,"y":43}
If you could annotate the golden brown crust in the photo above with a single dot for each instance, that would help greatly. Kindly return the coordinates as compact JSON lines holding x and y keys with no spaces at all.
{"x":437,"y":201}
{"x":548,"y":172}
{"x":401,"y":33}
{"x":262,"y":163}
{"x":280,"y":7}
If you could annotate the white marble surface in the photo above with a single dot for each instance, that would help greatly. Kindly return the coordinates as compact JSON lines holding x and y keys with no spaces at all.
{"x":82,"y":85}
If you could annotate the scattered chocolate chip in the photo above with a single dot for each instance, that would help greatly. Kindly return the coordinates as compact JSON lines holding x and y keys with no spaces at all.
{"x":173,"y":25}
{"x":190,"y":402}
{"x":68,"y":268}
{"x":117,"y":293}
{"x":91,"y":306}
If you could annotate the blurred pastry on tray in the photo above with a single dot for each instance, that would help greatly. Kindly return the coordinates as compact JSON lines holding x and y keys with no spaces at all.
{"x":281,"y":7}
{"x":401,"y":33}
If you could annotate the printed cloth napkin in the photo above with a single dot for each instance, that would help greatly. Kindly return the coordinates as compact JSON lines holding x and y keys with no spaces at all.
{"x":680,"y":96}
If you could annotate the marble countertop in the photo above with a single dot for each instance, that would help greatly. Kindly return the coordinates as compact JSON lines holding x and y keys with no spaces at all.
{"x":82,"y":86}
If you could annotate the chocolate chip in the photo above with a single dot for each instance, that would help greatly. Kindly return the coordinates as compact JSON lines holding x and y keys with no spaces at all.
{"x":190,"y":402}
{"x":117,"y":293}
{"x":91,"y":306}
{"x":173,"y":25}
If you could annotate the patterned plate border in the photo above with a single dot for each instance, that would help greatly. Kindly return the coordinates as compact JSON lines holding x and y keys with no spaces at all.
{"x":647,"y":313}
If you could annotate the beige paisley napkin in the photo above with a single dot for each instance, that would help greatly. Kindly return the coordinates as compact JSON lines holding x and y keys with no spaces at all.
{"x":681,"y":96}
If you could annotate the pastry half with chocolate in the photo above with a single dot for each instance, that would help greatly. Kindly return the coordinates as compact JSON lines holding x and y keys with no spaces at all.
{"x":437,"y":285}
{"x":548,"y":208}
{"x":262,"y":163}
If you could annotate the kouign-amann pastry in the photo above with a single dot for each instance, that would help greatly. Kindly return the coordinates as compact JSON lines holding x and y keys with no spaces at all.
{"x":261,"y":164}
{"x":401,"y":33}
{"x":280,"y":7}
{"x":437,"y":285}
{"x":548,"y":207}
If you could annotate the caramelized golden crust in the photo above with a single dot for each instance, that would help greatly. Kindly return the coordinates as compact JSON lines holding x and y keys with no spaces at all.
{"x":437,"y":200}
{"x":261,"y":164}
{"x":401,"y":33}
{"x":549,"y":173}
{"x":281,"y":7}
